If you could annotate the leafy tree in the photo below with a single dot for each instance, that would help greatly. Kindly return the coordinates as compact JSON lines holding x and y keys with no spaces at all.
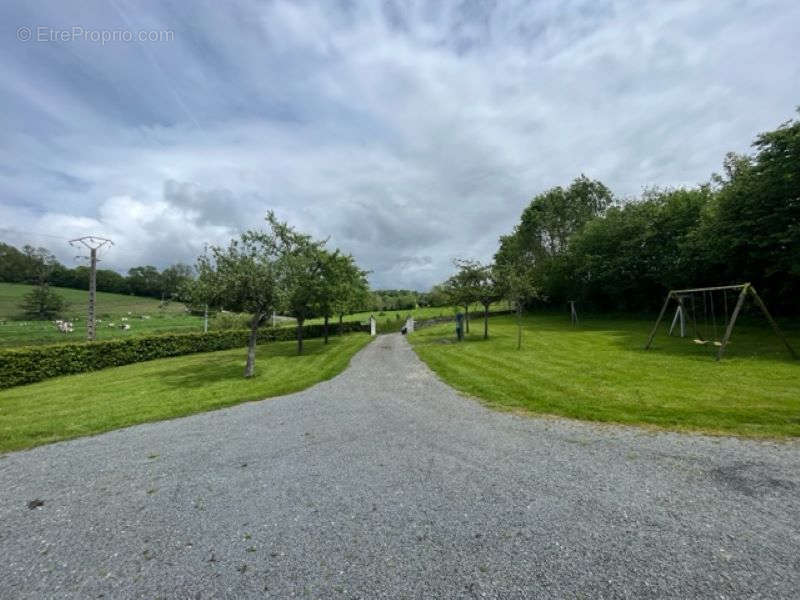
{"x":437,"y":296}
{"x":350,"y":289}
{"x":517,"y":280}
{"x":546,"y":227}
{"x":10,"y":263}
{"x":301,"y":264}
{"x":242,"y":277}
{"x":14,"y":265}
{"x":144,"y":281}
{"x":460,"y":289}
{"x":329,"y":286}
{"x":173,"y":278}
{"x":552,"y":217}
{"x":110,"y":281}
{"x":42,"y":303}
{"x":484,"y":284}
{"x":751,"y":230}
{"x":627,"y":259}
{"x":374,"y":302}
{"x":39,"y":262}
{"x":396,"y":300}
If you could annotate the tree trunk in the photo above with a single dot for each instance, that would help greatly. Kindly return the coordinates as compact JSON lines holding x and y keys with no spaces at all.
{"x":326,"y":329}
{"x":486,"y":321}
{"x":341,"y":324}
{"x":300,"y":335}
{"x":251,"y":345}
{"x":466,"y":318}
{"x":519,"y":325}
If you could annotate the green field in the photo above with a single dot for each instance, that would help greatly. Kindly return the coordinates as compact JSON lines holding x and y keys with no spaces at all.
{"x":600,"y":372}
{"x":169,"y":318}
{"x":111,"y":308}
{"x":390,"y":318}
{"x":78,"y":405}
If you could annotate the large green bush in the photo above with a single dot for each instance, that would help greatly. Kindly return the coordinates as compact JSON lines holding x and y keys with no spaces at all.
{"x":31,"y":364}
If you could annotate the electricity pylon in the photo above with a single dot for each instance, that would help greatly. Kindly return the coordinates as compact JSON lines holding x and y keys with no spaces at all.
{"x":93,"y":243}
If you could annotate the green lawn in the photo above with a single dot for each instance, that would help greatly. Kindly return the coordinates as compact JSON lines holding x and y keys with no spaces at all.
{"x":111,"y":308}
{"x":600,"y":372}
{"x":78,"y":405}
{"x":388,"y":319}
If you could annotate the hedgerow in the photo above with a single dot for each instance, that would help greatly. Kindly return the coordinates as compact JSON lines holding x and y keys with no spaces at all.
{"x":36,"y":363}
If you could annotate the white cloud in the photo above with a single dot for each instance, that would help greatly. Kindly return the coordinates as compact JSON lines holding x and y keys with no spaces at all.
{"x":410,"y":135}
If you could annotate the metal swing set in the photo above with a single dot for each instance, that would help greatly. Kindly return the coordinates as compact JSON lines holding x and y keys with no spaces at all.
{"x":687,"y":307}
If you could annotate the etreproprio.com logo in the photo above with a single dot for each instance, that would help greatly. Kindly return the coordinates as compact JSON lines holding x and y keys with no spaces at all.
{"x":96,"y":36}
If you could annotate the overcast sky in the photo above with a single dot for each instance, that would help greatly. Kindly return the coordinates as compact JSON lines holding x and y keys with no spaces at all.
{"x":409,"y":133}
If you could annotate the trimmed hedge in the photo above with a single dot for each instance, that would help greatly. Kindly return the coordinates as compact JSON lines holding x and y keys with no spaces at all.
{"x":36,"y":363}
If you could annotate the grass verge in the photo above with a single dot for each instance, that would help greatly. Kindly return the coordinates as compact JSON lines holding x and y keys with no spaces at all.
{"x":90,"y":403}
{"x":600,"y":372}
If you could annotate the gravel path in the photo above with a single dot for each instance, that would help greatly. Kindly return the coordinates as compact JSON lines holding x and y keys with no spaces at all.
{"x":384,"y":482}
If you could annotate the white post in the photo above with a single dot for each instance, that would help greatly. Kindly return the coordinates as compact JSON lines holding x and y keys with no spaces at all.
{"x":410,"y":325}
{"x":678,"y":318}
{"x":205,"y":319}
{"x":372,"y":328}
{"x":675,"y":319}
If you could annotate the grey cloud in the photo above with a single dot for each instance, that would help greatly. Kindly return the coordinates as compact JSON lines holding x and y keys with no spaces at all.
{"x":206,"y":207}
{"x":410,"y":133}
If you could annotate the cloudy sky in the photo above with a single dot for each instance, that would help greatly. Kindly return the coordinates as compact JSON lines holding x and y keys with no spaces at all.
{"x":409,"y":133}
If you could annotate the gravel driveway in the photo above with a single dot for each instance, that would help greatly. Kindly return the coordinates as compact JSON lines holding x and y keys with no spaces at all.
{"x":384,"y":482}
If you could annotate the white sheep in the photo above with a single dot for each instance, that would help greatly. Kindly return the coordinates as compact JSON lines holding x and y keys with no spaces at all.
{"x":64,"y":326}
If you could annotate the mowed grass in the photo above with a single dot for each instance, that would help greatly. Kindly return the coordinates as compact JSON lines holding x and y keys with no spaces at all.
{"x":90,"y":403}
{"x":423,"y":312}
{"x":111,"y":308}
{"x":599,"y":371}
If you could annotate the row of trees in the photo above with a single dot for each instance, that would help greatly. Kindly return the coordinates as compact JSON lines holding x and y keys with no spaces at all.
{"x":278,"y":270}
{"x":476,"y":283}
{"x":580,"y":243}
{"x":380,"y":300}
{"x":38,"y":266}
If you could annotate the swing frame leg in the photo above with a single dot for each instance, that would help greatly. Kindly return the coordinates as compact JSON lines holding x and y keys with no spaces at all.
{"x":732,"y":322}
{"x":658,"y":321}
{"x":772,"y":322}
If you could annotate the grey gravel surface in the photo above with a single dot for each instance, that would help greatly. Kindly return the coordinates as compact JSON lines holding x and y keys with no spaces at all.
{"x":385,"y":483}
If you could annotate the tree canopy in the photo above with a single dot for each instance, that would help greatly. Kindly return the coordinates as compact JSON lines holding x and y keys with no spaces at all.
{"x":241,"y":277}
{"x":579,"y":243}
